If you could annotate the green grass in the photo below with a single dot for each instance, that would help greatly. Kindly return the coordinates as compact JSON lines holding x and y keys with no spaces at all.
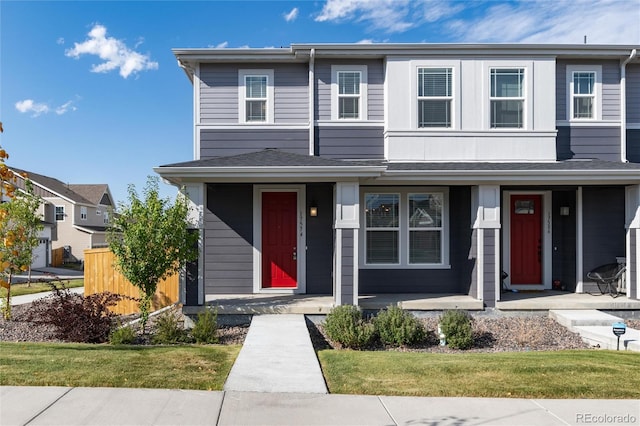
{"x":171,"y":367}
{"x":558,"y":374}
{"x":38,"y":287}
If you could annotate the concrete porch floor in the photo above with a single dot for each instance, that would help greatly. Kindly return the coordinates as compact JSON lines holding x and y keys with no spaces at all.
{"x":551,"y":299}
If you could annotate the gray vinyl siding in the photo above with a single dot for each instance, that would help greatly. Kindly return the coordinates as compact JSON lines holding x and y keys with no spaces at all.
{"x":632,"y":284}
{"x":224,"y":142}
{"x":633,"y":93}
{"x":347,"y":260}
{"x":588,"y":142}
{"x":603,"y":227}
{"x":564,"y":238}
{"x":375,"y":87}
{"x":228,"y":239}
{"x":219,"y":93}
{"x":633,"y":145}
{"x":610,"y":88}
{"x":350,"y":142}
{"x":458,"y":279}
{"x":489,"y":268}
{"x":320,"y":240}
{"x":473,"y":258}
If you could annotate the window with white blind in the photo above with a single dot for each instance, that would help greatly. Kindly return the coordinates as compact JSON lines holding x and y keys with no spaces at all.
{"x":83,"y":213}
{"x":507,"y":98}
{"x":348,"y":92}
{"x":434,"y":97}
{"x":382,"y":228}
{"x":255,"y":96}
{"x":583,"y":87}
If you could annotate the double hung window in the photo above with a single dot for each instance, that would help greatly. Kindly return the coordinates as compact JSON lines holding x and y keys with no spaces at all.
{"x":59,"y":213}
{"x":256,"y":96}
{"x":83,"y":213}
{"x":349,"y":94}
{"x":584,"y":101}
{"x":434,"y":97}
{"x":507,"y":98}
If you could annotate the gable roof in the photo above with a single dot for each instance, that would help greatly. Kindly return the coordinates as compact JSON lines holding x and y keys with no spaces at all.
{"x":92,"y":192}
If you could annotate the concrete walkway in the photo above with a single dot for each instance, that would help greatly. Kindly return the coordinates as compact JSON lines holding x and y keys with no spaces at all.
{"x":28,"y":298}
{"x":121,"y":406}
{"x":277,"y":356}
{"x":595,"y":328}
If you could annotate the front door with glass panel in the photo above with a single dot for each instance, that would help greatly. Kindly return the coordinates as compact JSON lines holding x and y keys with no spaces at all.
{"x":526,"y":239}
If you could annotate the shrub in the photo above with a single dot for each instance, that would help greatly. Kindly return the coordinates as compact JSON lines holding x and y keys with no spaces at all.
{"x":168,"y":330}
{"x":398,"y":327}
{"x":456,"y":326}
{"x":205,"y":329}
{"x":345,"y":325}
{"x":76,"y":318}
{"x":122,"y":336}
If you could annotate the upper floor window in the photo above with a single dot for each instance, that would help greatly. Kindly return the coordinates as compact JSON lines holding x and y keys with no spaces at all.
{"x":583,"y":90}
{"x":506,"y":98}
{"x":434,"y":97}
{"x":349,"y":92}
{"x":255,"y":96}
{"x":60,"y":213}
{"x":106,"y":218}
{"x":83,"y":213}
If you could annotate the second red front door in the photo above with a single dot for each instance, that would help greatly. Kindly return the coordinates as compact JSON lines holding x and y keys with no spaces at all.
{"x":279,"y":240}
{"x":526,"y":239}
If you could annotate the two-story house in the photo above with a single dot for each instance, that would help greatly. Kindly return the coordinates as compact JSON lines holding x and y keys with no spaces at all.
{"x":76,"y":216}
{"x":353,"y":170}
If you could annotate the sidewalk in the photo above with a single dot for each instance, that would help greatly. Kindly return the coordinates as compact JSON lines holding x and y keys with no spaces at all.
{"x":111,"y":406}
{"x":28,"y":298}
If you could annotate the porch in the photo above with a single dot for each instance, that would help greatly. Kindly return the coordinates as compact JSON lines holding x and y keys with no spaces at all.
{"x":552,"y":299}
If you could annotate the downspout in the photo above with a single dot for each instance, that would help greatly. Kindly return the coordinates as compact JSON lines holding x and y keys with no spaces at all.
{"x":623,"y":106}
{"x":312,"y":130}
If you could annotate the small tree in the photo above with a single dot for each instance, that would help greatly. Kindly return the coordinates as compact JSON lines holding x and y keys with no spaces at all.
{"x":150,"y":241}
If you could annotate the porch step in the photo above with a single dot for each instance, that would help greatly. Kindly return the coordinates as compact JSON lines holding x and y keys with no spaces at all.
{"x":595,"y":328}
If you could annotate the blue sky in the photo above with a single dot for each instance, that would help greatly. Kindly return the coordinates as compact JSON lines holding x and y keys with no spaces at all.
{"x":91,"y":93}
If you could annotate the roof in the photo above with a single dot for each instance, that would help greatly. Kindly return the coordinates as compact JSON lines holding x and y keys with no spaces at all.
{"x":91,"y":192}
{"x":91,"y":229}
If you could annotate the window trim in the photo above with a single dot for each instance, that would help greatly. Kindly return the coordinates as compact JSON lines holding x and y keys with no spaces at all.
{"x":597,"y":104}
{"x":242,"y":99}
{"x":451,"y":98}
{"x":83,"y":213}
{"x":522,"y":98}
{"x":55,"y":213}
{"x":404,"y":232}
{"x":363,"y":98}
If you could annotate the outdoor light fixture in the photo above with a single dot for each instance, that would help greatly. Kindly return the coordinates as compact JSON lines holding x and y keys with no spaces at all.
{"x":564,"y":211}
{"x":313,"y":209}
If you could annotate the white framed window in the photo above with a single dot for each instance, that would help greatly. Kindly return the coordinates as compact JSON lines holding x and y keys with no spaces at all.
{"x":105,"y":218}
{"x":584,"y":88}
{"x":255,"y":96}
{"x":507,"y":98}
{"x":83,"y":213}
{"x":405,"y":228}
{"x":60,"y":214}
{"x":435,"y":97}
{"x":349,"y":92}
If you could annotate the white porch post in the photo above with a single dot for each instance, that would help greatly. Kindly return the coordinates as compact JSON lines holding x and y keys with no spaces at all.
{"x":196,"y":199}
{"x":347,"y":223}
{"x":579,"y":242}
{"x":632,"y":225}
{"x":485,"y":214}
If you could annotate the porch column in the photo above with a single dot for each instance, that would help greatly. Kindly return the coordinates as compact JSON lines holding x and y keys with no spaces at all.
{"x":485,"y":214}
{"x":346,"y":243}
{"x":192,"y":280}
{"x":632,"y":226}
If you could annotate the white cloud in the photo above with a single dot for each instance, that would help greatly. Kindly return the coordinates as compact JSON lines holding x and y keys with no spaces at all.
{"x":114,"y":52}
{"x":365,"y":41}
{"x":222,"y":45}
{"x":38,"y":108}
{"x":291,"y":16}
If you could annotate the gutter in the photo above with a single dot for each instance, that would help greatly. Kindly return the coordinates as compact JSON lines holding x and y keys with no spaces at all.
{"x":312,"y":142}
{"x":623,"y":106}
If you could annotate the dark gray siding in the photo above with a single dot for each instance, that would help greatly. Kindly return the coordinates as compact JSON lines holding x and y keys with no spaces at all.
{"x":219,"y":92}
{"x":633,"y":93}
{"x":375,"y":86}
{"x":489,"y":272}
{"x":588,"y":142}
{"x":347,"y":260}
{"x":603,"y":227}
{"x":458,"y":279}
{"x":563,"y":236}
{"x":350,"y":142}
{"x":610,"y":88}
{"x":633,"y":145}
{"x":320,"y":238}
{"x":228,"y":239}
{"x":216,"y":143}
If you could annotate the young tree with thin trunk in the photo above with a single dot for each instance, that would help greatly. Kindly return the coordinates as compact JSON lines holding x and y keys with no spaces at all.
{"x":150,"y":239}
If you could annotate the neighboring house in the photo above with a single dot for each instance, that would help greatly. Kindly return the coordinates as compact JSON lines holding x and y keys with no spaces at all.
{"x":76,"y":216}
{"x":356,"y":169}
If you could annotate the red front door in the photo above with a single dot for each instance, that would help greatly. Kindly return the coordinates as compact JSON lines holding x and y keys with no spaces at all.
{"x":279,"y":252}
{"x":526,"y":239}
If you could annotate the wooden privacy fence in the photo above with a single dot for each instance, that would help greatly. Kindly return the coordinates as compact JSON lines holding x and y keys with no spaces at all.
{"x":57,"y":257}
{"x":101,"y":275}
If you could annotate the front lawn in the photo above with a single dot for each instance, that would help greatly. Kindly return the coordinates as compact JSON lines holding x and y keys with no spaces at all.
{"x":38,"y":287}
{"x":171,"y":367}
{"x":573,"y":374}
